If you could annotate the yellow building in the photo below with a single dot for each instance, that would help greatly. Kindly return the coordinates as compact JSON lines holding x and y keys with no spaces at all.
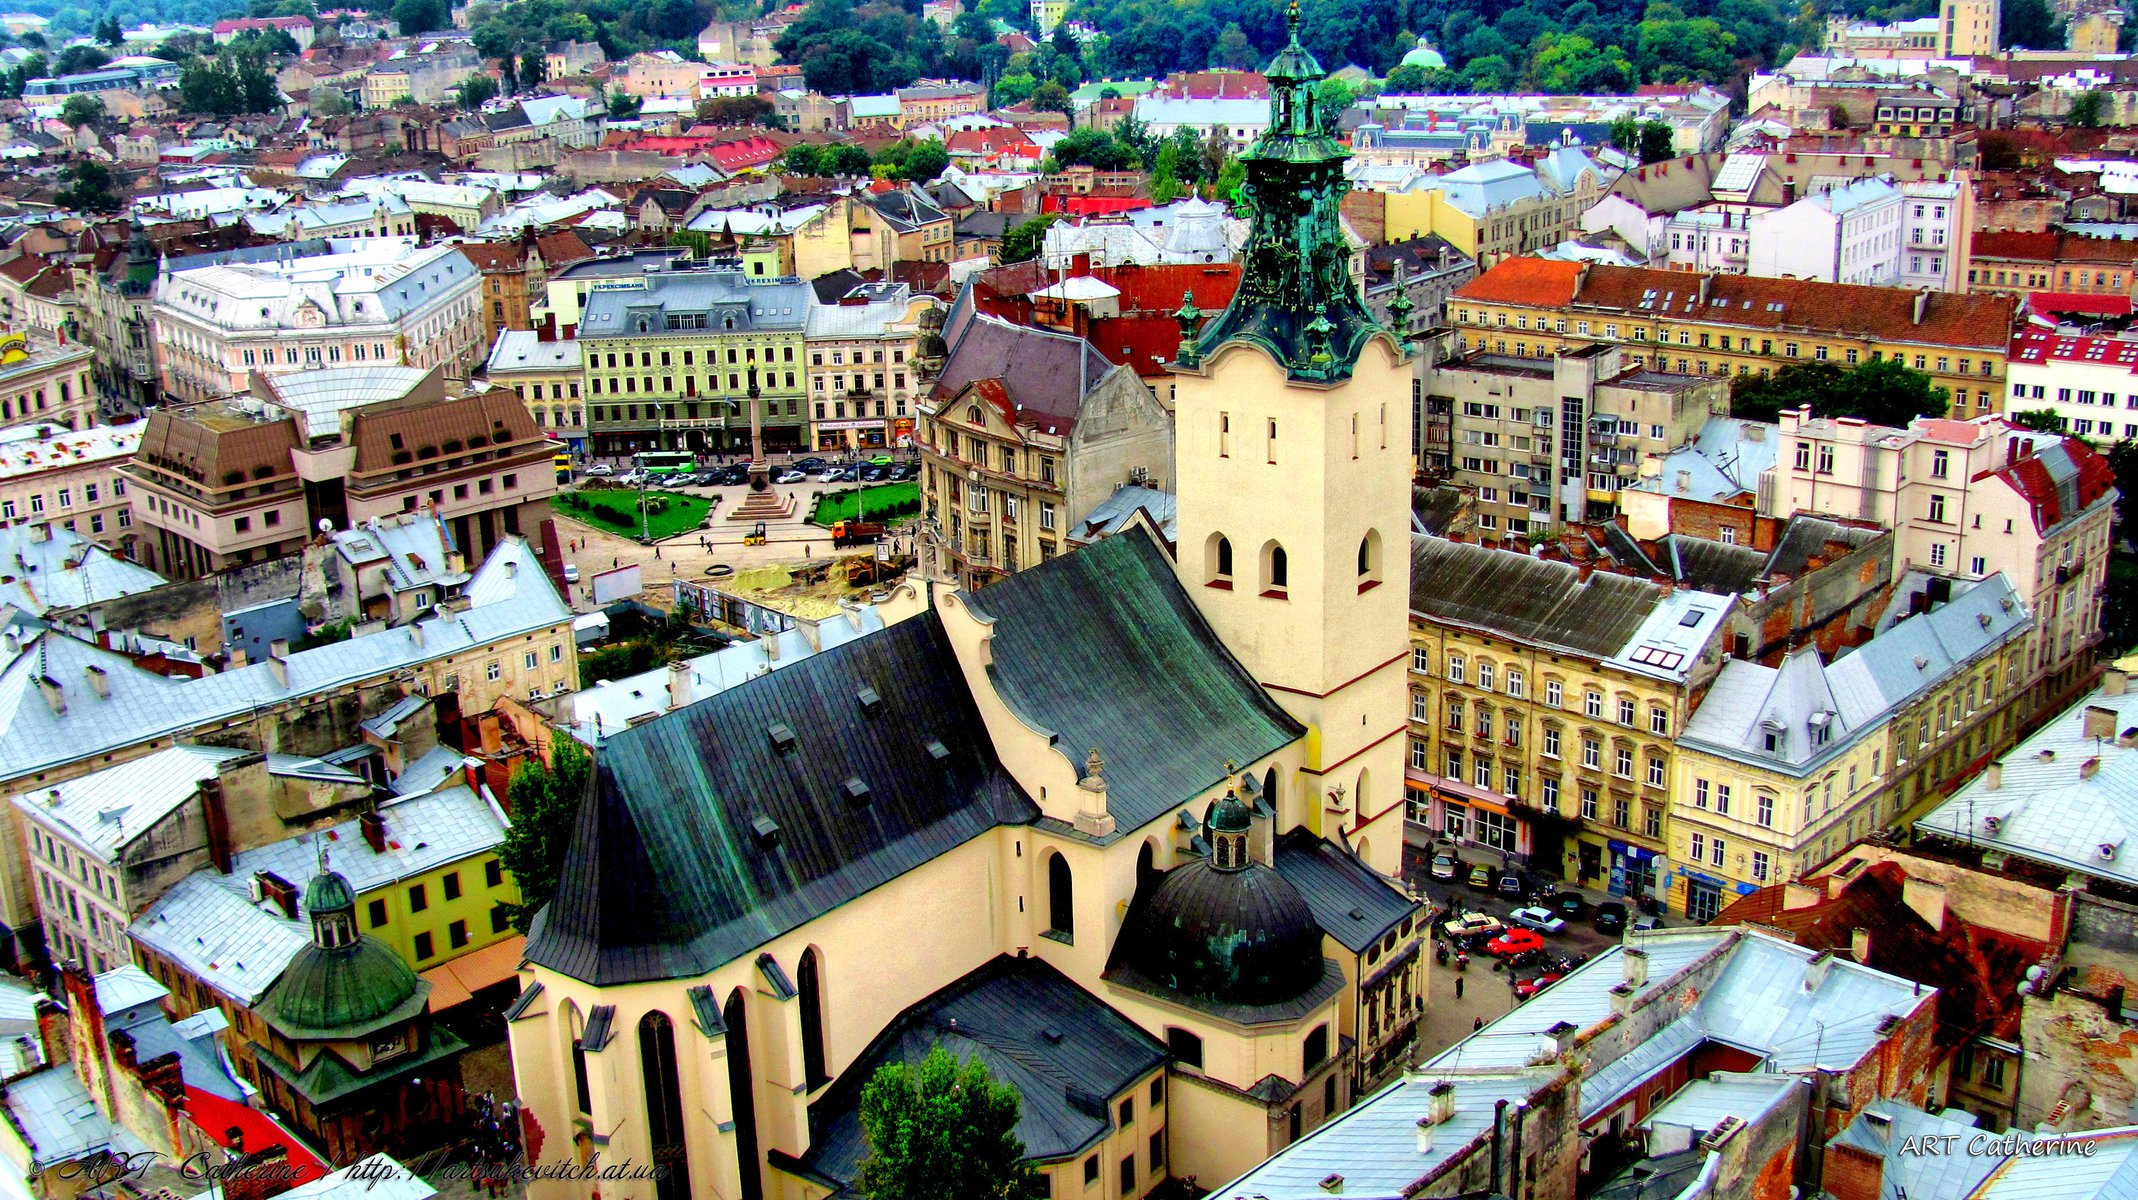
{"x":1142,"y":802}
{"x":1499,"y":208}
{"x":1541,"y":734}
{"x":1971,"y":27}
{"x":1782,"y":767}
{"x":1738,"y":324}
{"x":2096,"y":32}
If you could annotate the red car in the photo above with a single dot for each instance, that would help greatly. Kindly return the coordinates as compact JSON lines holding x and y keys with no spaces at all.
{"x":1526,"y":988}
{"x":1513,"y":942}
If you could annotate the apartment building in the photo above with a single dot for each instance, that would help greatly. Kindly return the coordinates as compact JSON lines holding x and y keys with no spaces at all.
{"x":1544,"y":700}
{"x":71,"y":479}
{"x":863,"y":382}
{"x":107,"y":845}
{"x":1853,"y":233}
{"x":248,"y":478}
{"x":516,"y":274}
{"x":47,"y":384}
{"x":1937,"y":223}
{"x":1547,"y":442}
{"x":1738,"y":324}
{"x":546,"y":374}
{"x":2007,"y":262}
{"x":2090,"y":383}
{"x":1781,"y":767}
{"x":1500,"y":208}
{"x":671,"y":359}
{"x":1970,"y":27}
{"x":1024,"y":432}
{"x":420,"y":78}
{"x":340,"y":302}
{"x":1972,"y":498}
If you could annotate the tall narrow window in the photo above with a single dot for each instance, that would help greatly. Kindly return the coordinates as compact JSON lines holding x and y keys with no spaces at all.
{"x":1061,"y":898}
{"x":1276,"y":571}
{"x":808,"y":982}
{"x":742,"y":1096}
{"x":664,"y":1105}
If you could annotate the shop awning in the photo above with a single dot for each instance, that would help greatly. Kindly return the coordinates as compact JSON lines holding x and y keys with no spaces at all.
{"x":457,"y":982}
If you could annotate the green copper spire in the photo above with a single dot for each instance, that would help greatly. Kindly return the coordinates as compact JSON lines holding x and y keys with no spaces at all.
{"x":1297,"y":298}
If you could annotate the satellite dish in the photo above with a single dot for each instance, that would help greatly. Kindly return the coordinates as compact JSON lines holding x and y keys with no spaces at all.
{"x":325,"y":525}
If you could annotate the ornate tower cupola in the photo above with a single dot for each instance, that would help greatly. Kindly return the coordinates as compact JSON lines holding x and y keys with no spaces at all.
{"x":1297,"y":298}
{"x":1230,"y":823}
{"x":332,"y":903}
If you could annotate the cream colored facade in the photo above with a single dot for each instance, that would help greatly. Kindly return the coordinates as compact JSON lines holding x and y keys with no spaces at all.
{"x":1303,"y":491}
{"x":46,"y":382}
{"x":1970,"y":27}
{"x":1525,"y":226}
{"x":71,"y":479}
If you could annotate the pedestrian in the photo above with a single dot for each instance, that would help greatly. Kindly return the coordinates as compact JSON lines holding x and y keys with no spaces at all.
{"x":1458,"y":987}
{"x":1476,"y":1023}
{"x":614,"y":561}
{"x":656,"y":550}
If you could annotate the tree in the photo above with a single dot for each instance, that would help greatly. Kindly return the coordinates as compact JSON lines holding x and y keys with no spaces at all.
{"x":1882,"y":392}
{"x":1571,"y":65}
{"x":1491,"y":75}
{"x":545,"y":809}
{"x":1658,"y":141}
{"x":1672,"y":49}
{"x":2032,"y":24}
{"x":1022,"y":242}
{"x":2043,"y":420}
{"x":109,"y":33}
{"x":923,"y":161}
{"x":421,"y":16}
{"x":1052,"y":97}
{"x":475,"y":90}
{"x":737,"y":110}
{"x":1626,"y":135}
{"x":76,"y":59}
{"x":534,"y":69}
{"x":80,"y":110}
{"x":2086,"y":108}
{"x":90,"y":189}
{"x":623,"y":106}
{"x":803,"y":159}
{"x":1233,"y":49}
{"x":941,"y":1129}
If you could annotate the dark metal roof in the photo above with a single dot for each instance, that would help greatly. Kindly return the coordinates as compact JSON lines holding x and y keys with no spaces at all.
{"x":1062,"y":1048}
{"x":1353,"y":902}
{"x":1527,"y":598}
{"x":1238,"y":937}
{"x":1805,"y":537}
{"x":700,"y":841}
{"x":1103,"y":647}
{"x":600,"y":1025}
{"x":518,"y":1008}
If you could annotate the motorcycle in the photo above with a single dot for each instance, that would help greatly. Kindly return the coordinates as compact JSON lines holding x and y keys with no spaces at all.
{"x":1462,"y":960}
{"x":1440,"y":953}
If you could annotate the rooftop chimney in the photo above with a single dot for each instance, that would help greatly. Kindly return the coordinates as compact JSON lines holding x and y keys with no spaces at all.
{"x":1799,"y":895}
{"x":2098,"y":723}
{"x":281,"y":891}
{"x":2089,"y":768}
{"x":99,"y":681}
{"x":40,"y":532}
{"x":1425,"y":1135}
{"x":1562,"y":1035}
{"x":374,"y":827}
{"x":1926,"y":898}
{"x":216,"y":817}
{"x":678,"y":684}
{"x":1993,"y":776}
{"x":1815,"y":971}
{"x":2114,"y":682}
{"x":1859,"y":945}
{"x":1636,"y":964}
{"x":1440,"y":1103}
{"x":1922,"y":305}
{"x":54,"y":694}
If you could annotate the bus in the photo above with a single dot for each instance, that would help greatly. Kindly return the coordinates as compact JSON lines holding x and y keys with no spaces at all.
{"x":564,"y":468}
{"x":659,"y":464}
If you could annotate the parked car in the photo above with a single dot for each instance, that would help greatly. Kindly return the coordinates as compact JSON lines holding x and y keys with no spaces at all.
{"x":903,"y":471}
{"x":875,"y":474}
{"x":1610,"y":917}
{"x":811,"y":464}
{"x":1514,"y":942}
{"x":830,"y":474}
{"x":1474,"y":925}
{"x":1445,"y":866}
{"x":734,"y":477}
{"x":791,"y":477}
{"x":599,"y":471}
{"x":1510,"y":884}
{"x":1526,"y":988}
{"x":631,"y":478}
{"x":571,"y":572}
{"x":1539,"y":919}
{"x":1571,"y":905}
{"x":1647,"y":924}
{"x":1481,"y":878}
{"x":880,"y":460}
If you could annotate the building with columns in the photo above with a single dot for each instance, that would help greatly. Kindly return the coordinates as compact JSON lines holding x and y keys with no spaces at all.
{"x":1141,"y":808}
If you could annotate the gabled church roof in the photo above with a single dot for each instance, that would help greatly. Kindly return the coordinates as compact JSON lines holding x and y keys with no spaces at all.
{"x":713,"y":829}
{"x":1104,"y":648}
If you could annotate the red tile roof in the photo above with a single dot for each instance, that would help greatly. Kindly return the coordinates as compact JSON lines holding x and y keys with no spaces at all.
{"x":1751,"y":302}
{"x":2053,"y":247}
{"x":744,"y":154}
{"x":2060,"y":481}
{"x":2046,"y":345}
{"x":2078,"y":302}
{"x":1158,"y":288}
{"x":256,"y":1131}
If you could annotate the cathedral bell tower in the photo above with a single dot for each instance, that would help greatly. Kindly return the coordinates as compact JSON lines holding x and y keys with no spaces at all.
{"x":1293,"y":427}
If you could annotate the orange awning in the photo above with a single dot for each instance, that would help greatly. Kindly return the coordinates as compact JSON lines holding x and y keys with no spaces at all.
{"x":457,"y":982}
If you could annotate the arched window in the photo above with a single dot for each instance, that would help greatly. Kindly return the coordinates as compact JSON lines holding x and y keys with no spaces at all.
{"x":1317,"y":1047}
{"x":808,"y":982}
{"x":573,"y":1024}
{"x":1218,"y":561}
{"x":742,"y":1096}
{"x":1061,"y":898}
{"x":664,"y":1104}
{"x":1270,"y":785}
{"x":1370,"y":559}
{"x":1146,"y":865}
{"x":1186,"y":1048}
{"x":1276,"y":569}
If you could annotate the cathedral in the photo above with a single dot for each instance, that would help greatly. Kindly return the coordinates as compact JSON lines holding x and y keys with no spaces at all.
{"x":1125,"y":824}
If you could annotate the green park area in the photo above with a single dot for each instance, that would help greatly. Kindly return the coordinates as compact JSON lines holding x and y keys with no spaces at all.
{"x":883,"y":502}
{"x":615,"y":510}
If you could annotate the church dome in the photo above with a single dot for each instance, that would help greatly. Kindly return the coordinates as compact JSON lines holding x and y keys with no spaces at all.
{"x":1239,"y":935}
{"x":343,"y":985}
{"x":1423,"y":55}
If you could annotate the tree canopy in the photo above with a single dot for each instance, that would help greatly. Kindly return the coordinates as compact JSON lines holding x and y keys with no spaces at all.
{"x":545,"y":808}
{"x":1883,"y":392}
{"x":1023,"y":241}
{"x":942,"y":1129}
{"x":89,"y":189}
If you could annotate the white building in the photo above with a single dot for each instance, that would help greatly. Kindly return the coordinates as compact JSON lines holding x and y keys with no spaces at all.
{"x":1710,"y":237}
{"x":1937,"y":216}
{"x":2089,"y":382}
{"x":1238,"y":122}
{"x":368,"y":300}
{"x":68,"y":477}
{"x":1851,"y":234}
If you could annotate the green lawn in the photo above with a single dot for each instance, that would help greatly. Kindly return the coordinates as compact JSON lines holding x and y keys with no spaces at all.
{"x":884,"y":502}
{"x":615,"y":510}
